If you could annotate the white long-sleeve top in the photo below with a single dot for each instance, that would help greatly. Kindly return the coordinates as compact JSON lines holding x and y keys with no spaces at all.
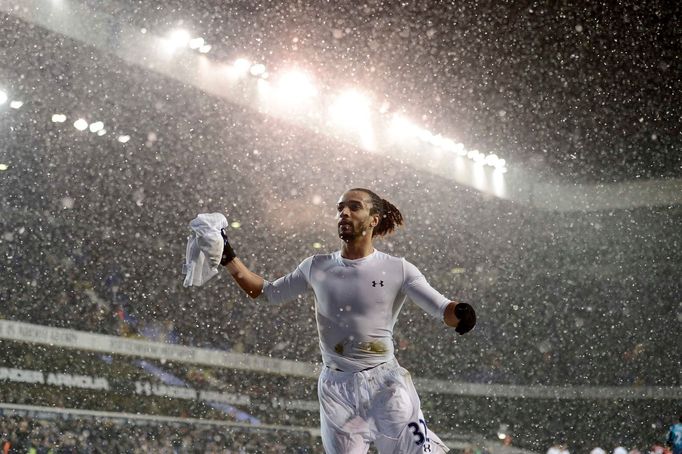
{"x":357,"y":303}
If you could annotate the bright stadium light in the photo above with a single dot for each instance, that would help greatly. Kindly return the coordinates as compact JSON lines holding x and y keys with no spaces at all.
{"x":179,"y":38}
{"x":80,"y":124}
{"x":101,"y":132}
{"x":257,"y":70}
{"x":58,"y":118}
{"x":351,"y":108}
{"x":3,"y":167}
{"x":458,"y":148}
{"x":175,"y":40}
{"x":3,"y":97}
{"x":206,"y":48}
{"x":401,"y":127}
{"x":437,"y":140}
{"x":242,"y":65}
{"x":425,"y":135}
{"x":123,"y":138}
{"x":96,"y":126}
{"x":196,"y":43}
{"x":352,"y":111}
{"x":16,"y":104}
{"x":499,"y":187}
{"x":449,"y":144}
{"x":295,"y":84}
{"x":491,"y":159}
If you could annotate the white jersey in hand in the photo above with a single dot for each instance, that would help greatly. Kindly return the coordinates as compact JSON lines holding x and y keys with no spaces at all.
{"x":357,"y":303}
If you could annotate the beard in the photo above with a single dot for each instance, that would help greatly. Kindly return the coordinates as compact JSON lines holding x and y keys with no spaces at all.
{"x":349,"y":232}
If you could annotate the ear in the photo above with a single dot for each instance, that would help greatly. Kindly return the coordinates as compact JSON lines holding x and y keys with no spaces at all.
{"x":375,"y":220}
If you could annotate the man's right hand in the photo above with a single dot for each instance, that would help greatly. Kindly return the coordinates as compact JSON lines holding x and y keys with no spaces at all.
{"x":228,"y":252}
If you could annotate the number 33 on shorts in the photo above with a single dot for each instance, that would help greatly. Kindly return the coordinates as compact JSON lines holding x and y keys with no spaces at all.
{"x":423,"y":440}
{"x":419,"y":436}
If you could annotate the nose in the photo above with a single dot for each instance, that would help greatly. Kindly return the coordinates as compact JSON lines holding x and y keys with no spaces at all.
{"x":344,"y":213}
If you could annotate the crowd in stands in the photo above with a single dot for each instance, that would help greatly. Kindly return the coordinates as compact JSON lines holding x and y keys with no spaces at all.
{"x":22,"y":435}
{"x":61,"y":434}
{"x":654,"y":448}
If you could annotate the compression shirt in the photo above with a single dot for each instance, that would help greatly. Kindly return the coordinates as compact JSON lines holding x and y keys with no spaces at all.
{"x":357,"y":303}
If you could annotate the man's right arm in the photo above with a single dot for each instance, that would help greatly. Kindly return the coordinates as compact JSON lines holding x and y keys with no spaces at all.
{"x":249,"y":281}
{"x":282,"y":290}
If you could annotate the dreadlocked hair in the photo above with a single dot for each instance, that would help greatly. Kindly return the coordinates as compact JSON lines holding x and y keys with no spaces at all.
{"x":389,"y":216}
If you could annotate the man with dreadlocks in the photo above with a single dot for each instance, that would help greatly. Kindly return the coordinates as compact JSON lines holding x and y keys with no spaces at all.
{"x":365,"y":396}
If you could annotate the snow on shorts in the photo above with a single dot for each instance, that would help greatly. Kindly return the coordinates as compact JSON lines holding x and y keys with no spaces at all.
{"x":377,"y":405}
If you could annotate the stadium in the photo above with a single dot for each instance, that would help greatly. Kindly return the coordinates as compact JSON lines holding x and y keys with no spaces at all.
{"x":535,"y":152}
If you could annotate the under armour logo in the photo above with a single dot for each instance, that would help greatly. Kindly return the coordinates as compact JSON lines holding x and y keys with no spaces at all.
{"x":374,"y":283}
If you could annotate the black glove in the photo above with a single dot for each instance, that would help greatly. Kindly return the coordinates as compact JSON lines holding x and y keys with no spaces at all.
{"x":228,"y":252}
{"x":467,"y":317}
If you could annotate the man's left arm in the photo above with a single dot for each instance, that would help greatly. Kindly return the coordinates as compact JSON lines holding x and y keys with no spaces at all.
{"x":460,"y":316}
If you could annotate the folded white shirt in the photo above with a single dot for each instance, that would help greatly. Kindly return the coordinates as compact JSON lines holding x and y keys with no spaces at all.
{"x":204,"y":248}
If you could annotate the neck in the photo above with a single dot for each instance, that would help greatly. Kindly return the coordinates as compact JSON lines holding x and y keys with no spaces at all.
{"x":357,"y":249}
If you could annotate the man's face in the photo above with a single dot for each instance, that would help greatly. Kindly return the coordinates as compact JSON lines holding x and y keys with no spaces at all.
{"x":353,"y":216}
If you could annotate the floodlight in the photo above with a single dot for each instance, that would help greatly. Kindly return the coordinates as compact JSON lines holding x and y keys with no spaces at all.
{"x":437,"y":140}
{"x":459,"y":149}
{"x":3,"y":167}
{"x":401,"y":127}
{"x":196,"y":43}
{"x":242,"y":65}
{"x":499,"y":187}
{"x":3,"y":97}
{"x":491,"y":159}
{"x":425,"y":135}
{"x":295,"y":84}
{"x":206,"y":48}
{"x":179,"y":38}
{"x":16,"y":104}
{"x":351,"y":111}
{"x":96,"y":126}
{"x":58,"y":118}
{"x":123,"y":138}
{"x":101,"y":132}
{"x":80,"y":124}
{"x":351,"y":108}
{"x":257,"y":70}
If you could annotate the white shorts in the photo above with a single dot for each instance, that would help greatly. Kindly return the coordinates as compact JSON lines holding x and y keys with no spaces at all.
{"x":378,"y":405}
